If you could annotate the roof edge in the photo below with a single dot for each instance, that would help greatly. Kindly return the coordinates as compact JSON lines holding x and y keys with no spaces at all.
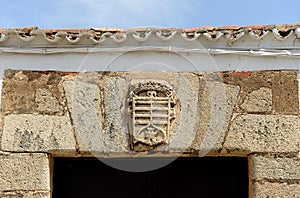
{"x":98,"y":35}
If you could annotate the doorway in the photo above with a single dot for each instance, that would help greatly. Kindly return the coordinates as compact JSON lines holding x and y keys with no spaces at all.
{"x":209,"y":177}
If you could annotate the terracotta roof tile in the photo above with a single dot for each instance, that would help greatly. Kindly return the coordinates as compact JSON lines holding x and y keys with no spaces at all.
{"x":99,"y":34}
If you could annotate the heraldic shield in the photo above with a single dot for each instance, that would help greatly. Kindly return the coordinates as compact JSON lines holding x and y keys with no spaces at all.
{"x":152,"y":108}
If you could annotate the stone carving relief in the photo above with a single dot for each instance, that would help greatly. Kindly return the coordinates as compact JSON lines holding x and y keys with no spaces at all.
{"x":152,"y":111}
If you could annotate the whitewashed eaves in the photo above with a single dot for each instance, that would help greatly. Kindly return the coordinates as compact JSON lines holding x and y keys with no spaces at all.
{"x":271,"y":40}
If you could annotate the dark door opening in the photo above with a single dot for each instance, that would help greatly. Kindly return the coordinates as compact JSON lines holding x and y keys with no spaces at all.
{"x":209,"y":177}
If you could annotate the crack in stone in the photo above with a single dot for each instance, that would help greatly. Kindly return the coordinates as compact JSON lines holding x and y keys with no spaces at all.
{"x":100,"y":85}
{"x":288,"y":181}
{"x":233,"y":116}
{"x":69,"y":115}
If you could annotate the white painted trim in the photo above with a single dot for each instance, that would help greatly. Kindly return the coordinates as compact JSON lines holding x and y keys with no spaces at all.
{"x":212,"y":51}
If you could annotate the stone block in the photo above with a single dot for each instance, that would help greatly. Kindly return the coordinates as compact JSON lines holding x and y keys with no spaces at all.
{"x":284,"y":86}
{"x":46,"y":102}
{"x":115,"y":136}
{"x":280,"y":190}
{"x":186,"y":88}
{"x":277,"y":168}
{"x":118,"y":119}
{"x":263,"y":133}
{"x":249,"y":83}
{"x":83,"y":100}
{"x":285,"y":92}
{"x":29,"y":172}
{"x":258,"y":101}
{"x":217,"y":101}
{"x":37,"y":133}
{"x":26,"y":92}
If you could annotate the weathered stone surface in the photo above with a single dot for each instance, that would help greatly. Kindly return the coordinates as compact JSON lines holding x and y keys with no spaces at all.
{"x":248,"y":83}
{"x":152,"y":126}
{"x":24,"y":172}
{"x":25,"y":194}
{"x":217,"y":101}
{"x":185,"y":87}
{"x":263,"y":133}
{"x":284,"y":85}
{"x":46,"y":102}
{"x":27,"y":132}
{"x":116,"y":135}
{"x":274,"y":168}
{"x":20,"y":89}
{"x":84,"y":105}
{"x":280,"y":190}
{"x":285,"y":92}
{"x":117,"y":122}
{"x":110,"y":133}
{"x":1,"y":127}
{"x":258,"y":101}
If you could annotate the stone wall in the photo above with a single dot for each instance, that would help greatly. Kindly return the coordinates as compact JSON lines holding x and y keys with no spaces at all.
{"x":246,"y":114}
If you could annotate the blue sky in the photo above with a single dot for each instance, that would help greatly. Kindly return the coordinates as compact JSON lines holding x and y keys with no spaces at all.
{"x":60,"y":14}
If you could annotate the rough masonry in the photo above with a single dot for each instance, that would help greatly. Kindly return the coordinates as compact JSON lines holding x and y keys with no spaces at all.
{"x":251,"y":114}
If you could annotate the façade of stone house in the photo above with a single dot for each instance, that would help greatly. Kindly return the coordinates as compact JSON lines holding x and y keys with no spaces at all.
{"x":211,"y":93}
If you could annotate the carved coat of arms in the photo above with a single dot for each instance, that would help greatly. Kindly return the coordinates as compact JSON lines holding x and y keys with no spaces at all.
{"x":152,"y":109}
